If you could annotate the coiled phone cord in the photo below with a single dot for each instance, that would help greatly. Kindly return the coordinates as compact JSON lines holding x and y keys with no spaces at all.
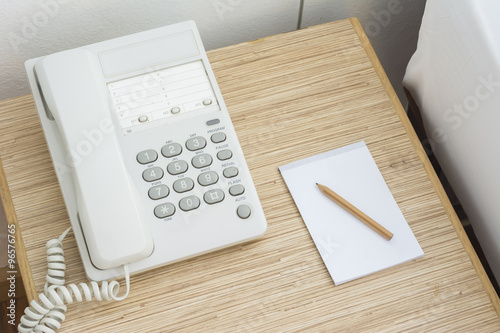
{"x":47,"y":314}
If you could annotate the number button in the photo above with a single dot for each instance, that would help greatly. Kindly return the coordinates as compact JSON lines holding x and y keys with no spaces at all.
{"x":171,"y":150}
{"x":224,"y":154}
{"x":158,"y":192}
{"x":189,"y":203}
{"x":208,"y":178}
{"x":196,"y":143}
{"x":152,"y":174}
{"x":164,"y":210}
{"x":177,"y":167}
{"x":147,"y":156}
{"x":183,"y":185}
{"x":213,"y":196}
{"x":218,"y":137}
{"x":230,"y":172}
{"x":201,"y":161}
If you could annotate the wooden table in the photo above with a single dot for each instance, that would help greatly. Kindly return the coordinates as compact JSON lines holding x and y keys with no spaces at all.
{"x":290,"y":96}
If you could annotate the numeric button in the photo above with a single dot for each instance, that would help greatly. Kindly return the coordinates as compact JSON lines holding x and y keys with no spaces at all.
{"x":158,"y":192}
{"x":200,"y":161}
{"x":152,"y":174}
{"x":177,"y":167}
{"x":196,"y":143}
{"x":189,"y":203}
{"x":147,"y":156}
{"x":183,"y":185}
{"x":171,"y":150}
{"x":208,"y":178}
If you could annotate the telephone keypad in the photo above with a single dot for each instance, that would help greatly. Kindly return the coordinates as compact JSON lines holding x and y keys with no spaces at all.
{"x":184,"y":184}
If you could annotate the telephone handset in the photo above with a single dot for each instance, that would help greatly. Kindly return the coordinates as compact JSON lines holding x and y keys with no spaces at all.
{"x":115,"y":228}
{"x":148,"y":161}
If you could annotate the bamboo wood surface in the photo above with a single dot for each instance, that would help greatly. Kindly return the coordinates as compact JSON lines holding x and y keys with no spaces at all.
{"x":290,"y":96}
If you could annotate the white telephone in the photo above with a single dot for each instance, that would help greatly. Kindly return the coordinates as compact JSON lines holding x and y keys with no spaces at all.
{"x":146,"y":155}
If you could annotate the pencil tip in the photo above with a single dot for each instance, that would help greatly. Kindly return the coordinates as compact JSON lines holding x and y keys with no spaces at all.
{"x":317,"y":184}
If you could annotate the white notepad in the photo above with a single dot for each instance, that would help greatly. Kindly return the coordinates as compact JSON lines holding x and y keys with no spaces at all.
{"x":349,"y":248}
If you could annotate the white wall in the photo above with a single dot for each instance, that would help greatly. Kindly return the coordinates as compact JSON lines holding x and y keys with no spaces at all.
{"x":33,"y":28}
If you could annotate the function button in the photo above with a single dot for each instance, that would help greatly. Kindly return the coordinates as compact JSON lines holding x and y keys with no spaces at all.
{"x":175,"y":110}
{"x":143,"y":119}
{"x":236,"y":190}
{"x":152,"y":174}
{"x":230,"y":172}
{"x":177,"y":167}
{"x":208,"y":178}
{"x":164,"y":210}
{"x":189,"y":203}
{"x":213,"y":122}
{"x":243,"y":211}
{"x":158,"y":192}
{"x":213,"y":196}
{"x":224,"y":154}
{"x":196,"y":143}
{"x":183,"y":185}
{"x":171,"y":150}
{"x":218,"y":137}
{"x":201,"y":161}
{"x":147,"y":156}
{"x":207,"y":102}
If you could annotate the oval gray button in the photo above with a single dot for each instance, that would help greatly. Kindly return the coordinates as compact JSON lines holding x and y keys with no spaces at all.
{"x":218,"y":137}
{"x":236,"y":190}
{"x":147,"y":156}
{"x":230,"y":172}
{"x":208,"y":178}
{"x":213,"y":196}
{"x":152,"y":174}
{"x":164,"y":210}
{"x":200,"y":161}
{"x":183,"y":185}
{"x":189,"y":203}
{"x":177,"y":167}
{"x":171,"y":150}
{"x":224,"y":154}
{"x":158,"y":192}
{"x":196,"y":143}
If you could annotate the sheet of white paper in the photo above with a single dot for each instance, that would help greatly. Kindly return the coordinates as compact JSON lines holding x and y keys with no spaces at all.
{"x":349,"y":248}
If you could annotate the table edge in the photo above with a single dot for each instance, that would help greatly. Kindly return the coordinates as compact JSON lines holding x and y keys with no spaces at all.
{"x":436,"y":183}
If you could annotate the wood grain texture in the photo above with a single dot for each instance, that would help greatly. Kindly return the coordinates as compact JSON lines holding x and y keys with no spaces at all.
{"x":290,"y":96}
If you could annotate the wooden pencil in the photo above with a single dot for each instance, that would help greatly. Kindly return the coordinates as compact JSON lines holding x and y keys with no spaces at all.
{"x":355,"y":211}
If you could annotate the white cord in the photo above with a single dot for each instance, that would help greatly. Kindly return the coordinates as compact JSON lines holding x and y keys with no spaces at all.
{"x":47,"y":314}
